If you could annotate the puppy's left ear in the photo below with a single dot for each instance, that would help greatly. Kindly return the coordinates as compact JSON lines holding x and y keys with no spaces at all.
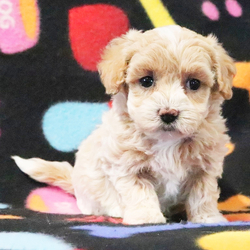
{"x":224,"y":67}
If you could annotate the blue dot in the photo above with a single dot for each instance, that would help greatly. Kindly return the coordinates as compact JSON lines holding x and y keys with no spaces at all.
{"x":4,"y":206}
{"x":31,"y":241}
{"x":65,"y":125}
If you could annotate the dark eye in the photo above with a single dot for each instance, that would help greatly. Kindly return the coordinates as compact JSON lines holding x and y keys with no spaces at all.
{"x":193,"y":84}
{"x":147,"y":81}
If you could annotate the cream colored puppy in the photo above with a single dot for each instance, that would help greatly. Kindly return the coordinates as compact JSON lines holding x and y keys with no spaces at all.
{"x":161,"y":146}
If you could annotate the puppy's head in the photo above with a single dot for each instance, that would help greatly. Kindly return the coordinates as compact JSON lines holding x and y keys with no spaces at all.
{"x":168,"y":77}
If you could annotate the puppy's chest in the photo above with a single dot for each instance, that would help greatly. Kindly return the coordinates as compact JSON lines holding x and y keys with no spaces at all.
{"x":171,"y":173}
{"x":167,"y":159}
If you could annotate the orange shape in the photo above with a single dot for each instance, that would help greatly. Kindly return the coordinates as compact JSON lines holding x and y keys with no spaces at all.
{"x":10,"y":217}
{"x":235,"y":203}
{"x":237,"y":217}
{"x":230,"y":146}
{"x":36,"y":203}
{"x":242,"y":78}
{"x":29,"y":13}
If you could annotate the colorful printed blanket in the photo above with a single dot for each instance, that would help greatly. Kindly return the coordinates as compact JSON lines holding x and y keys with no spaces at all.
{"x":51,"y":99}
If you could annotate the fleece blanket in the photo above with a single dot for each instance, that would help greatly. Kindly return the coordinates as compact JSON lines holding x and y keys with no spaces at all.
{"x":51,"y":99}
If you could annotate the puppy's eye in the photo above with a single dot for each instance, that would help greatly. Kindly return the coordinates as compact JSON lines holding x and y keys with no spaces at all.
{"x":147,"y":81}
{"x":193,"y":84}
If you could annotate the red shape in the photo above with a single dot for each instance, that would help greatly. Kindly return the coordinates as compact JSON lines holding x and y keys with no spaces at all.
{"x":91,"y":27}
{"x":110,"y":104}
{"x":93,"y":219}
{"x":115,"y":220}
{"x":90,"y":218}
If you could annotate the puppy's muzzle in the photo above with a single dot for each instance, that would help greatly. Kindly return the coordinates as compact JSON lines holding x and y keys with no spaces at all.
{"x":168,"y":116}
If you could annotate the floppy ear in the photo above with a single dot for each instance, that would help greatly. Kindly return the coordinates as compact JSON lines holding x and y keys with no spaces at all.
{"x":115,"y":59}
{"x":225,"y":69}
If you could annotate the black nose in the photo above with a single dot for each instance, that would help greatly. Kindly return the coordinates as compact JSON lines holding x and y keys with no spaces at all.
{"x":168,"y":118}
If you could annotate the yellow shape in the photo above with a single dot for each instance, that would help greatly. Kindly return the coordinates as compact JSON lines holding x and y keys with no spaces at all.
{"x":233,"y":240}
{"x":10,"y":217}
{"x":35,"y":202}
{"x":235,"y":203}
{"x":29,"y":16}
{"x":242,"y":78}
{"x":230,"y":146}
{"x":157,"y":13}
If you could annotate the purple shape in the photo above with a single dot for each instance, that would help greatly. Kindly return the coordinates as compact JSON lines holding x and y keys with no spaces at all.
{"x":105,"y":231}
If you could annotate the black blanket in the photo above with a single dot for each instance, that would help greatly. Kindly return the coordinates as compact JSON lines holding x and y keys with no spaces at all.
{"x":51,"y":99}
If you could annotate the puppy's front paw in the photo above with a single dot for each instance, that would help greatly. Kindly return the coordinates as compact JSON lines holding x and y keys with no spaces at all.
{"x":115,"y":212}
{"x":206,"y":218}
{"x":143,"y":216}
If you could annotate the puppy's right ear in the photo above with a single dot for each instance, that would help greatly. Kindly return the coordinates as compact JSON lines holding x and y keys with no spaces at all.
{"x":224,"y":68}
{"x":115,"y":59}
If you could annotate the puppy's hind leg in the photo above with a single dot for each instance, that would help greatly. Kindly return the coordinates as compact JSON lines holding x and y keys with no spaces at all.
{"x":94,"y":192}
{"x":88,"y":206}
{"x":104,"y":201}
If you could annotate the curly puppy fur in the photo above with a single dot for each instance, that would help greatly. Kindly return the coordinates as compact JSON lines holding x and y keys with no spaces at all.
{"x":136,"y":165}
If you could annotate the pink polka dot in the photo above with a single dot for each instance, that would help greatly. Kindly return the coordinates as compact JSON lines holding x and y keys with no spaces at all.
{"x":19,"y":25}
{"x":52,"y":200}
{"x":210,"y":10}
{"x":233,"y":8}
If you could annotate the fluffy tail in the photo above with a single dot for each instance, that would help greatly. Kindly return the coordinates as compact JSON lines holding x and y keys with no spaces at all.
{"x":51,"y":172}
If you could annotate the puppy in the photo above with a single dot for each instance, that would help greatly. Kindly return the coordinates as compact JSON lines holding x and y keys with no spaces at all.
{"x":161,"y":146}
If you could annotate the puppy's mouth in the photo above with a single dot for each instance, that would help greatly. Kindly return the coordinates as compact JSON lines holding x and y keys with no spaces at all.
{"x":168,"y":128}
